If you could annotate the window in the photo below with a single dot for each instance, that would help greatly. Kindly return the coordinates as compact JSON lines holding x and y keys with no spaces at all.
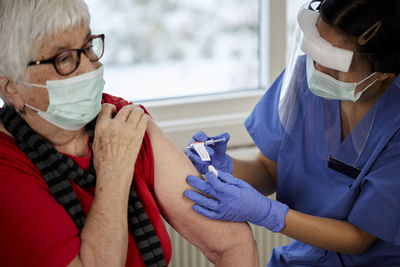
{"x":195,"y":65}
{"x":157,"y":49}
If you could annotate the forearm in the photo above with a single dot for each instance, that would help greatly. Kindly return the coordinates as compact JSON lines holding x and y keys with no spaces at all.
{"x":104,"y":237}
{"x":243,"y":252}
{"x":256,"y":174}
{"x":117,"y":141}
{"x":222,"y":243}
{"x":336,"y":235}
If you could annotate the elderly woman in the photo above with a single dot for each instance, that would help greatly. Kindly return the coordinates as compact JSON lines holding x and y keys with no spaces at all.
{"x":66,"y":161}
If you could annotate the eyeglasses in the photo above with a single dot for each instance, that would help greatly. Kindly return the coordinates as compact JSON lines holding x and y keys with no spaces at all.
{"x":67,"y":61}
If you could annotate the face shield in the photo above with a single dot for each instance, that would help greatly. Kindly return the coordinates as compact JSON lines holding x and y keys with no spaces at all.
{"x":312,"y":119}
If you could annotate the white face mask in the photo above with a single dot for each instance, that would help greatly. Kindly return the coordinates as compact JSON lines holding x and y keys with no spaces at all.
{"x":325,"y":86}
{"x":75,"y":101}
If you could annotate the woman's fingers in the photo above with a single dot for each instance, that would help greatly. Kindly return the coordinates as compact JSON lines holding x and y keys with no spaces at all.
{"x":225,"y":182}
{"x":216,"y":183}
{"x":107,"y":111}
{"x":202,"y":200}
{"x":118,"y":139}
{"x":125,"y":112}
{"x":201,"y":185}
{"x":206,"y":212}
{"x":134,"y":116}
{"x":200,"y":136}
{"x":137,"y":117}
{"x":228,"y":178}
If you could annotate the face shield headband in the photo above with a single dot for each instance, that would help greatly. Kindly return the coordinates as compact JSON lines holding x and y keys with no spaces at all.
{"x":317,"y":47}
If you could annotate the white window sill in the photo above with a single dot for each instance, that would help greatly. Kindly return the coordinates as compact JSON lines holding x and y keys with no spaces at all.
{"x":180,"y":118}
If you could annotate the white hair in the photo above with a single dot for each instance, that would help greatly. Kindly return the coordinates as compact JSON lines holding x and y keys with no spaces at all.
{"x":24,"y":24}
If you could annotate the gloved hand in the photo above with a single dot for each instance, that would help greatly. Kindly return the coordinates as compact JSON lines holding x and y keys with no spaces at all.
{"x":235,"y":201}
{"x":219,"y":158}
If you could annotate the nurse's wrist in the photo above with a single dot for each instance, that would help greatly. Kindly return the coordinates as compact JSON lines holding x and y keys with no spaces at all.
{"x":274,"y":220}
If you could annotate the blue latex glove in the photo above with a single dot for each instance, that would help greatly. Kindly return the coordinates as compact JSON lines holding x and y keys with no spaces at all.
{"x":219,"y":158}
{"x":235,"y":201}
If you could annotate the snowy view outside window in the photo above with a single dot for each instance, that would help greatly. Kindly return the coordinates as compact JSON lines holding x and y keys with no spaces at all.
{"x":166,"y":48}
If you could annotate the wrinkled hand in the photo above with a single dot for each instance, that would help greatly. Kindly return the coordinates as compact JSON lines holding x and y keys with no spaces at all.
{"x":236,"y":201}
{"x":219,"y":158}
{"x":117,"y":141}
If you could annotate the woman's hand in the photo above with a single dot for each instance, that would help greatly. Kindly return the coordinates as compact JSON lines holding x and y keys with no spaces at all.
{"x":117,"y":141}
{"x":235,"y":200}
{"x":217,"y":151}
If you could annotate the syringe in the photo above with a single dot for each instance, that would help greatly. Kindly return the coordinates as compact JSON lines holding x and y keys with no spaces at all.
{"x":208,"y":142}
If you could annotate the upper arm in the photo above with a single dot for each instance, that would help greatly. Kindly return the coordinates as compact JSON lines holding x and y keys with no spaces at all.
{"x":171,"y":167}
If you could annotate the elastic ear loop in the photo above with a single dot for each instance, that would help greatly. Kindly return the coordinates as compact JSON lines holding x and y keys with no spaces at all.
{"x":368,"y":34}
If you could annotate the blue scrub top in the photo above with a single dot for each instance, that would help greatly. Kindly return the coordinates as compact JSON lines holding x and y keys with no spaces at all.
{"x":370,"y":201}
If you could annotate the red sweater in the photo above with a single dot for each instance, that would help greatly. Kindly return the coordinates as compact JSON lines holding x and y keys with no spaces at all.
{"x":36,"y":231}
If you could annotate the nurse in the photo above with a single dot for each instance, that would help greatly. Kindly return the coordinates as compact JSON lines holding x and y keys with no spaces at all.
{"x":328,"y":131}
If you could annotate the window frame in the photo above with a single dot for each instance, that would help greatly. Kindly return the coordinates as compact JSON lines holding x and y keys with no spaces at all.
{"x":181,"y":117}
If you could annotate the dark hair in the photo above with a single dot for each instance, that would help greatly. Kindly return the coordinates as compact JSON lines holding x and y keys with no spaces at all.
{"x":355,"y":17}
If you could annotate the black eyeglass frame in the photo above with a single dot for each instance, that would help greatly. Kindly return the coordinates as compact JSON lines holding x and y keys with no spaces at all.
{"x":52,"y":60}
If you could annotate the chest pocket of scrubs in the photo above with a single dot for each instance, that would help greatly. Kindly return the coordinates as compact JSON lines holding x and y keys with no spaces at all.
{"x":343,"y":167}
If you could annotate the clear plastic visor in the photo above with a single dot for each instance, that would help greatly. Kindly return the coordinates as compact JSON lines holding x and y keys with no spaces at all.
{"x":310,"y":120}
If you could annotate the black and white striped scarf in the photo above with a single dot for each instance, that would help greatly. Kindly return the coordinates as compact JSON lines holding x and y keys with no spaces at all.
{"x":57,"y":169}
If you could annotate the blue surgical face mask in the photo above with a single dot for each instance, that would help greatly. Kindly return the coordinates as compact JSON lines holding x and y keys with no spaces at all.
{"x":325,"y":86}
{"x":73,"y":102}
